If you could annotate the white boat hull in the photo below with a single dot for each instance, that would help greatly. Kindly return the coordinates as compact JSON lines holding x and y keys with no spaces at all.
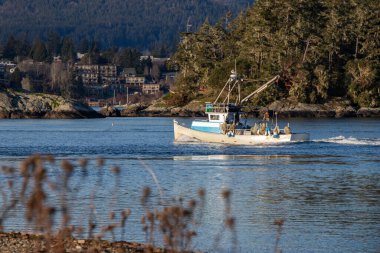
{"x":182,"y":132}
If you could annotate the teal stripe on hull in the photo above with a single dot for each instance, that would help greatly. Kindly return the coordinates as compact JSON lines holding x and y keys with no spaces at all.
{"x":206,"y":129}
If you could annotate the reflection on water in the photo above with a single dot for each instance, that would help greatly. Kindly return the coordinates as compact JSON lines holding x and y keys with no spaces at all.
{"x":327,"y":190}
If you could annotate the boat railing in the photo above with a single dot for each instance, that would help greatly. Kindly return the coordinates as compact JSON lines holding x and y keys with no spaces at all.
{"x":221,"y":108}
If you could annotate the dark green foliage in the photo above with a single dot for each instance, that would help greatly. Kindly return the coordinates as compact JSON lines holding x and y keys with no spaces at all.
{"x":321,"y":49}
{"x":67,"y":50}
{"x":84,"y":46}
{"x":364,"y":82}
{"x":9,"y":51}
{"x":15,"y":79}
{"x":39,"y":52}
{"x":13,"y":48}
{"x":184,"y":94}
{"x":53,"y":44}
{"x":134,"y":23}
{"x":128,"y":58}
{"x":73,"y":88}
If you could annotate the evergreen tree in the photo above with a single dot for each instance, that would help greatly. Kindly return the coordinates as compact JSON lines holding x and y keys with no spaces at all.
{"x":9,"y":51}
{"x":129,"y":58}
{"x":53,"y":44}
{"x":320,"y":48}
{"x":15,"y":79}
{"x":73,"y":87}
{"x":84,"y":46}
{"x":68,"y":50}
{"x":39,"y":52}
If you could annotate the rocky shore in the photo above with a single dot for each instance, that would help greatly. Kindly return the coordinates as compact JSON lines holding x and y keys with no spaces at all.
{"x":17,"y":105}
{"x":27,"y":243}
{"x":286,"y":108}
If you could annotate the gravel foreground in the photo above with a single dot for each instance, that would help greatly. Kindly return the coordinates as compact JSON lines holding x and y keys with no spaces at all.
{"x":32,"y":243}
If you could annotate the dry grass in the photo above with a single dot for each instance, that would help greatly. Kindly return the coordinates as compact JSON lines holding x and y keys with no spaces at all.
{"x":172,"y":225}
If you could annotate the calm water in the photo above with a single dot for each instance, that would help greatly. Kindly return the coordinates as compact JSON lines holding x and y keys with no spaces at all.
{"x":327,"y":190}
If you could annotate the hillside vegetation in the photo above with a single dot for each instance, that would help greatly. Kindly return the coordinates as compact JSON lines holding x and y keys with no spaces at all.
{"x":322,"y":49}
{"x":134,"y":23}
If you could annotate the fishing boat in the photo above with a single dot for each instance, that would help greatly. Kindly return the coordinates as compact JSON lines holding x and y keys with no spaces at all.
{"x":224,"y":122}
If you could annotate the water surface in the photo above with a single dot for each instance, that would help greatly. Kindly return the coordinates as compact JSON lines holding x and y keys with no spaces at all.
{"x":327,"y":190}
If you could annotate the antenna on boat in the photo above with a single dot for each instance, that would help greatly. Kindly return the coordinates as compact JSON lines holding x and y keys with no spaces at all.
{"x":188,"y":25}
{"x":276,"y":118}
{"x":238,"y":98}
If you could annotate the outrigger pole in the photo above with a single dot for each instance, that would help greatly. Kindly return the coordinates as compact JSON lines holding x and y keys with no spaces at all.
{"x":266,"y":85}
{"x":233,"y":80}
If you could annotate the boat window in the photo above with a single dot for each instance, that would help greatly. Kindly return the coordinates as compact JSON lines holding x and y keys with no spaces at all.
{"x":209,"y":107}
{"x":214,"y":117}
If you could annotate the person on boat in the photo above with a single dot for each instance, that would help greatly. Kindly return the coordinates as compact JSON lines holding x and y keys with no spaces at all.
{"x":267,"y":130}
{"x":262,"y":129}
{"x":266,"y":116}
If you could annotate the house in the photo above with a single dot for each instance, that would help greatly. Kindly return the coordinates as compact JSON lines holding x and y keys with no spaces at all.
{"x":151,"y":88}
{"x":88,"y":73}
{"x":2,"y":71}
{"x":80,"y":55}
{"x":135,"y":81}
{"x":97,"y":75}
{"x":154,"y":59}
{"x":6,"y":67}
{"x":108,"y":74}
{"x":129,"y":72}
{"x":57,"y":59}
{"x":169,"y":75}
{"x":130,"y":78}
{"x":7,"y":63}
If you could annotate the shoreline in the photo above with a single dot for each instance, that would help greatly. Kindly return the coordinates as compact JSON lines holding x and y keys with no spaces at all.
{"x":286,"y":108}
{"x":179,"y":112}
{"x":296,"y":113}
{"x":16,"y":105}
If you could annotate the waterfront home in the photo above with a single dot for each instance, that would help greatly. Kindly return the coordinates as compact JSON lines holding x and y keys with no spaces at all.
{"x":151,"y":88}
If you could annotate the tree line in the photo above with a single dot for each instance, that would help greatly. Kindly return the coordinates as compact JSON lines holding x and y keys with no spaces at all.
{"x":18,"y":49}
{"x":139,"y":24}
{"x":321,"y":49}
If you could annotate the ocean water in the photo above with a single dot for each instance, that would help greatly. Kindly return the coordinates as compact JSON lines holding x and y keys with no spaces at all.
{"x":326,"y":190}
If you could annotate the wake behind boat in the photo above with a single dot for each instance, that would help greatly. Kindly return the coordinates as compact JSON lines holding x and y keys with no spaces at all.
{"x":224,"y":124}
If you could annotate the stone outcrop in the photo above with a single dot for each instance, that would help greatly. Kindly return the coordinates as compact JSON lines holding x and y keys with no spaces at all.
{"x":336,"y":108}
{"x":110,"y":111}
{"x":16,"y":105}
{"x":368,"y":112}
{"x":143,"y":110}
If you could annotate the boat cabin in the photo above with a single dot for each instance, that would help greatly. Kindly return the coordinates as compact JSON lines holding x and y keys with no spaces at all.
{"x":218,"y":114}
{"x":222,"y":113}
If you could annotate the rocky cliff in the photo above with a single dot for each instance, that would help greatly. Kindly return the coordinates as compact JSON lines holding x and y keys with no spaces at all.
{"x":17,"y":105}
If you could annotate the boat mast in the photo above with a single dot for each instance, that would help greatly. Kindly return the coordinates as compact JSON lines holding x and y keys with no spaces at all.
{"x":228,"y":83}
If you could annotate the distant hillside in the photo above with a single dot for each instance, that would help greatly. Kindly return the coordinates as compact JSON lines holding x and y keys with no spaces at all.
{"x":134,"y":23}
